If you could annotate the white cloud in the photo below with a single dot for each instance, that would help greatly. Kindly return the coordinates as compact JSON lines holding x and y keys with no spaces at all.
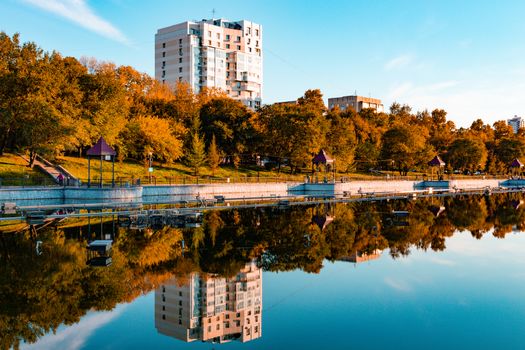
{"x":399,"y":62}
{"x":443,"y":262}
{"x":398,"y":285}
{"x":74,"y":337}
{"x":79,"y":12}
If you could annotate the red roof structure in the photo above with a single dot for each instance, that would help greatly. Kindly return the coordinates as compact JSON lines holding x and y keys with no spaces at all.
{"x":101,"y":148}
{"x":322,"y":158}
{"x":516,"y":163}
{"x":436,"y":161}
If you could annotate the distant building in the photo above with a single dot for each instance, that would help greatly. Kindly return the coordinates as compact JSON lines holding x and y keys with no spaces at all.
{"x":213,"y":53}
{"x":356,"y":102}
{"x":211,"y":309}
{"x":516,"y":123}
{"x":359,"y":257}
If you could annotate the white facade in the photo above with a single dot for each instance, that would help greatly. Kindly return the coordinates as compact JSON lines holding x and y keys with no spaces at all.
{"x":516,"y":123}
{"x":213,"y":53}
{"x":213,"y":309}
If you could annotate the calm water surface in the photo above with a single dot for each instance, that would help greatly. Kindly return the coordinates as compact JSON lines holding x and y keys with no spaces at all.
{"x":437,"y":273}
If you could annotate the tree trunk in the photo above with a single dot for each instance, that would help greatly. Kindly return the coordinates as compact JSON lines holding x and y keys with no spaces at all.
{"x":32,"y":158}
{"x":3,"y":143}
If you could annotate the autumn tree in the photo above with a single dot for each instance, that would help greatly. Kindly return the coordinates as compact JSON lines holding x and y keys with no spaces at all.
{"x":467,"y":154}
{"x":144,"y":135}
{"x":405,"y":147}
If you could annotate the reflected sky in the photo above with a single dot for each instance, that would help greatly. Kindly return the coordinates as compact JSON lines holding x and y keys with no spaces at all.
{"x":469,"y":296}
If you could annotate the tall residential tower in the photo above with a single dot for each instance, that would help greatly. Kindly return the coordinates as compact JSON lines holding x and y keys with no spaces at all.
{"x":213,"y":53}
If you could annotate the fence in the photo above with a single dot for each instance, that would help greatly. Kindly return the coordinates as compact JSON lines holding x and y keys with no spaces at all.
{"x":26,"y":181}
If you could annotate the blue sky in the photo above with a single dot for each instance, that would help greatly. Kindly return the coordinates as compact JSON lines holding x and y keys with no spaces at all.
{"x":463,"y":56}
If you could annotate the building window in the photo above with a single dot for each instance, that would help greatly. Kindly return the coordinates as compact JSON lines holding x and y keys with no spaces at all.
{"x":163,"y":65}
{"x":218,"y":35}
{"x":209,"y":42}
{"x":180,"y":69}
{"x":180,"y":321}
{"x":164,"y":54}
{"x":227,"y":37}
{"x":209,"y":32}
{"x":227,"y":325}
{"x":180,"y":41}
{"x":218,"y":327}
{"x":180,"y":52}
{"x":180,"y":59}
{"x":163,"y":317}
{"x":218,"y":44}
{"x":163,"y":75}
{"x":238,"y":39}
{"x":249,"y":30}
{"x":163,"y":81}
{"x":163,"y":307}
{"x":163,"y":45}
{"x":180,"y":302}
{"x":227,"y":46}
{"x":256,"y":32}
{"x":257,"y":43}
{"x":250,"y":49}
{"x":180,"y":78}
{"x":238,"y":47}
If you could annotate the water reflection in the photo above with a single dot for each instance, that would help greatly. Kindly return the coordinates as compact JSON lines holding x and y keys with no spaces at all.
{"x":211,"y":308}
{"x":45,"y":281}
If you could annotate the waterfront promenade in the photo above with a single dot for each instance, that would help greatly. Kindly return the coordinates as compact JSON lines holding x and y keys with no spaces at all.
{"x":50,"y":195}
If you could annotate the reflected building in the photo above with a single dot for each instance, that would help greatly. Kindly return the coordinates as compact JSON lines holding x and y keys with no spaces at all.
{"x":211,"y":309}
{"x":359,"y":257}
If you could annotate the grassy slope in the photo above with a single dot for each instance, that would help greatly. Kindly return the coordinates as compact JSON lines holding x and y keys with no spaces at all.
{"x":14,"y":171}
{"x":128,"y":169}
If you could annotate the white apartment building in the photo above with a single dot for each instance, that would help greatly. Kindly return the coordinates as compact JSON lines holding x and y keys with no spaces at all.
{"x":212,"y":309}
{"x":516,"y":123}
{"x":214,"y":53}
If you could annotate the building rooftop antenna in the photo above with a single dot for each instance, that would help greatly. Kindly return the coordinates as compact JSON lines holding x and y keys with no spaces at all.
{"x":213,"y":14}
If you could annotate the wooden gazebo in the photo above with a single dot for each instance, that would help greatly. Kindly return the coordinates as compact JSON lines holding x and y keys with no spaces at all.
{"x":323,"y":158}
{"x":515,"y":167}
{"x":438,"y":163}
{"x":102,"y":150}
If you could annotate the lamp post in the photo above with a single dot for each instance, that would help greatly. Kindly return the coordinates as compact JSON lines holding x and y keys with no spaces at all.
{"x":150,"y":168}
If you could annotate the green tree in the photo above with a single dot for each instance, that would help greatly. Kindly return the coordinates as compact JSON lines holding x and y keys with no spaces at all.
{"x":405,"y":146}
{"x":213,"y":156}
{"x":196,"y":156}
{"x":467,"y":154}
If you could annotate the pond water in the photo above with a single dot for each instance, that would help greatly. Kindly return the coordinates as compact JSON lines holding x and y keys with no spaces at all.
{"x":433,"y":273}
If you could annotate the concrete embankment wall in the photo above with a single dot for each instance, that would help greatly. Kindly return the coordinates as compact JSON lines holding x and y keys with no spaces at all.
{"x":357,"y":187}
{"x":32,"y":195}
{"x":94,"y":194}
{"x":184,"y":192}
{"x":24,"y":196}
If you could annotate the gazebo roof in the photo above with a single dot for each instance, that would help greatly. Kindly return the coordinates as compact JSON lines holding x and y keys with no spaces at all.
{"x":516,"y":163}
{"x":101,"y":148}
{"x":322,"y":158}
{"x":436,"y":161}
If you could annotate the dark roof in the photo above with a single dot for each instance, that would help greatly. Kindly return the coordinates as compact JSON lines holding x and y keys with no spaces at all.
{"x":323,"y":221}
{"x":516,"y":163}
{"x":101,"y":148}
{"x":436,"y":161}
{"x":322,"y":158}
